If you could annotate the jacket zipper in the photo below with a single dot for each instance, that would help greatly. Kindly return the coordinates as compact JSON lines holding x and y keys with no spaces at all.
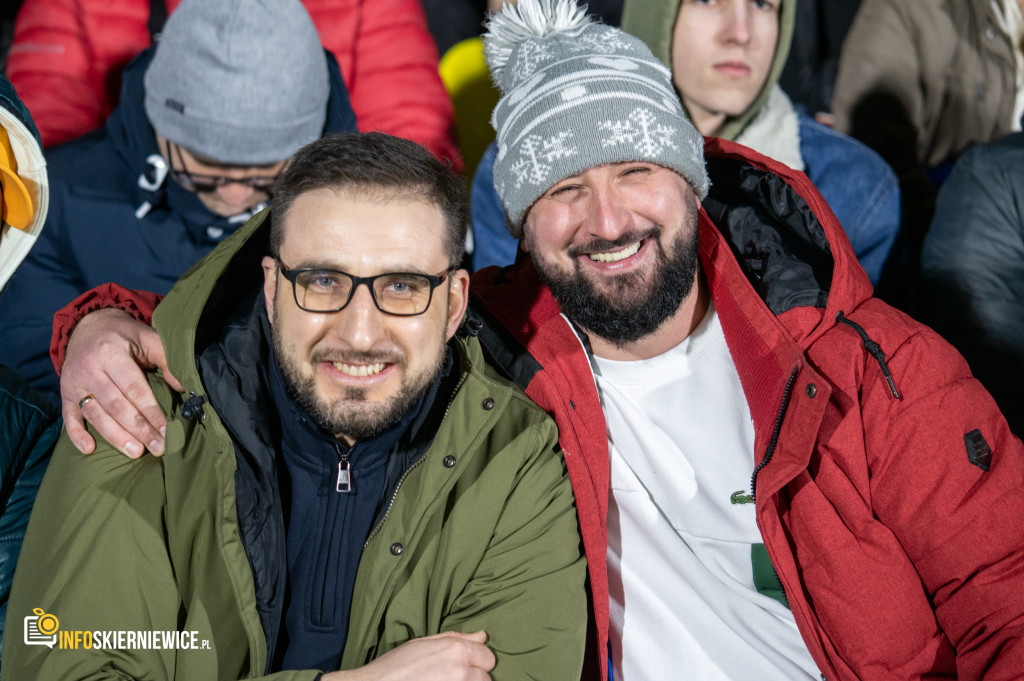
{"x":412,"y":466}
{"x":344,"y":481}
{"x":773,"y":443}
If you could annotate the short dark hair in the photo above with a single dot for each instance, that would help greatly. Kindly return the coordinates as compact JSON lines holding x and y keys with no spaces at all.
{"x":378,"y":165}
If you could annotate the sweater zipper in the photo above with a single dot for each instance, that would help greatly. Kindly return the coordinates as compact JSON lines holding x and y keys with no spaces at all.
{"x":344,"y":482}
{"x":412,"y":466}
{"x":773,"y":443}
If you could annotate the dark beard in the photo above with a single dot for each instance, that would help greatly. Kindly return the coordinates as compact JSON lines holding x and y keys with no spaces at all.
{"x":633,"y":309}
{"x":357,"y":417}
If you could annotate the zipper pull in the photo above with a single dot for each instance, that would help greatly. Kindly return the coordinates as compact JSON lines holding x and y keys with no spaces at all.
{"x":344,"y":484}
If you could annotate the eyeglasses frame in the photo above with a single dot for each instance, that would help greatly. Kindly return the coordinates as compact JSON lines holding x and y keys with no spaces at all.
{"x":210,"y":183}
{"x":292,"y":274}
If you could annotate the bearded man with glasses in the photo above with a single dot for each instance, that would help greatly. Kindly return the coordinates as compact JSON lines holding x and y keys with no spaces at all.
{"x":347,"y":485}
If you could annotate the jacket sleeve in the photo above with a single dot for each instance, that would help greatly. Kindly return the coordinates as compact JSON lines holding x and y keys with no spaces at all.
{"x":394,"y":83}
{"x":527,"y":592}
{"x":28,"y":431}
{"x":492,"y":243}
{"x":139,"y":304}
{"x":96,"y":556}
{"x":947,"y":478}
{"x":57,"y":70}
{"x":47,"y":279}
{"x":972,"y":270}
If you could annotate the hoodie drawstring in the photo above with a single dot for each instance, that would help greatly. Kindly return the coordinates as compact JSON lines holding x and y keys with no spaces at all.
{"x":873,"y":349}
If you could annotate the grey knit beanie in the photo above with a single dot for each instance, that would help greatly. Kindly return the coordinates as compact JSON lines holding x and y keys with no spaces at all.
{"x":575,"y":95}
{"x":239,"y":81}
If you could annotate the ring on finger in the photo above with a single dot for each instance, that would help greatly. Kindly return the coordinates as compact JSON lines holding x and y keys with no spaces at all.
{"x":85,"y":400}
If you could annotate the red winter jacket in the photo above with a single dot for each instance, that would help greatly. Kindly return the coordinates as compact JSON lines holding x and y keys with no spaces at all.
{"x":900,"y":558}
{"x":67,"y":57}
{"x":889,"y":489}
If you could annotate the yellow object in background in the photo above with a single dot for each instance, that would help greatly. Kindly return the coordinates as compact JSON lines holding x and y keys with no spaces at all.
{"x":463,"y":70}
{"x":17,"y":207}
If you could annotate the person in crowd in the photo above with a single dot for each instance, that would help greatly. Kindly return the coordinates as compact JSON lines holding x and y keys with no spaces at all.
{"x":348,"y":484}
{"x":29,"y":425}
{"x":972,"y":269}
{"x":921,"y":82}
{"x":68,"y":56}
{"x":773,"y":470}
{"x":208,"y":118}
{"x":726,"y":58}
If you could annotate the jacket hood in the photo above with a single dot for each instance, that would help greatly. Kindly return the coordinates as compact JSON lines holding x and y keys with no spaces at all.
{"x":134,"y":140}
{"x":25,"y":143}
{"x":653,"y":21}
{"x":793,"y":254}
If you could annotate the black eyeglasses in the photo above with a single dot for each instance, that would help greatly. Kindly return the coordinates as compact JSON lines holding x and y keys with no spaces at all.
{"x":201,"y":183}
{"x":402,"y":294}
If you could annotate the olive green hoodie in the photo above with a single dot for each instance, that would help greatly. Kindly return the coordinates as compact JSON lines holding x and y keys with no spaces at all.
{"x":653,"y":22}
{"x":481,"y":533}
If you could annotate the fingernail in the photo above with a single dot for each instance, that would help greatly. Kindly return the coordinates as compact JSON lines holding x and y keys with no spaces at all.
{"x":81,"y":445}
{"x":163,"y":431}
{"x":156,"y":447}
{"x":133,"y":449}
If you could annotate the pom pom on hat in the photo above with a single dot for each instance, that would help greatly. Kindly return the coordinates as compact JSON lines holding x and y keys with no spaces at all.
{"x":518,"y":23}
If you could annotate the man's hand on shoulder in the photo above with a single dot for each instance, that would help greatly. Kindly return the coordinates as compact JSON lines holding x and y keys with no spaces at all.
{"x":103,"y":381}
{"x":449,"y":656}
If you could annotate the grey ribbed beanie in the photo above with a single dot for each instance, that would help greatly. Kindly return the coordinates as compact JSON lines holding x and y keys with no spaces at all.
{"x":577,"y":94}
{"x":240,"y":81}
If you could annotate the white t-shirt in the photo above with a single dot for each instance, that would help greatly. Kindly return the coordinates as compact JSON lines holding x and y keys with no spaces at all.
{"x":683,"y":602}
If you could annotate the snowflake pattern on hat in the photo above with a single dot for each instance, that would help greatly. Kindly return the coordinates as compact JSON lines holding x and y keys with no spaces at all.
{"x":608,"y":41}
{"x":536,"y":155}
{"x":641,"y":130}
{"x":529,"y":58}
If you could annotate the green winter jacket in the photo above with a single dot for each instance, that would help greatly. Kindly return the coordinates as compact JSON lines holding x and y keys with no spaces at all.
{"x":480,"y":534}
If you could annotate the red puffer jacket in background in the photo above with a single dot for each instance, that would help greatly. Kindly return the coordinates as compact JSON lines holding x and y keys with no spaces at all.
{"x":67,"y":57}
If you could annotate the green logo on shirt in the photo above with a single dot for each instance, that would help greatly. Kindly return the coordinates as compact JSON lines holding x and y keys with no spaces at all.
{"x":741,"y":497}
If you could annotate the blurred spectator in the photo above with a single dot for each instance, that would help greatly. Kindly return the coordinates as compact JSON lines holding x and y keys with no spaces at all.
{"x":68,"y":57}
{"x":726,"y":58}
{"x":207,"y":119}
{"x":972,"y":269}
{"x":29,"y":426}
{"x":920,"y":82}
{"x":810,"y":72}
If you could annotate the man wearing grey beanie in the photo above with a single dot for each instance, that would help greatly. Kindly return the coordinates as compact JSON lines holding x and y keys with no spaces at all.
{"x":776,"y":474}
{"x":207,"y":119}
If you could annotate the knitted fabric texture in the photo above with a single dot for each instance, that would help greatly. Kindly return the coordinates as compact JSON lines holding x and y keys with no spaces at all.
{"x":239,"y":81}
{"x":577,"y":94}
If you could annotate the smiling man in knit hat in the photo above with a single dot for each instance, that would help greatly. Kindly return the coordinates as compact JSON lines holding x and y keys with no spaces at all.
{"x":776,"y":475}
{"x":208,"y":117}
